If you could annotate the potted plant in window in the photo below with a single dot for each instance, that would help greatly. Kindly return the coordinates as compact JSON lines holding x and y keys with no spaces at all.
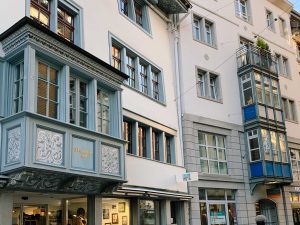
{"x":265,"y":54}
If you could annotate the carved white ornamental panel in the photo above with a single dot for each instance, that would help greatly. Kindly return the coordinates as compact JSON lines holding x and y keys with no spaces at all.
{"x":49,"y":147}
{"x":13,"y":145}
{"x":110,"y":160}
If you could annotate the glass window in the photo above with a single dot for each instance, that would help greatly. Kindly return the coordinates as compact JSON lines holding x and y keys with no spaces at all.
{"x":247,"y":89}
{"x":128,"y":136}
{"x":267,"y":91}
{"x":196,"y":28}
{"x":212,"y":153}
{"x":215,"y":194}
{"x":202,"y":83}
{"x":155,"y":145}
{"x":115,"y":211}
{"x":266,"y":144}
{"x":18,"y":88}
{"x":203,"y":213}
{"x":142,"y":142}
{"x":258,"y":85}
{"x":295,"y":158}
{"x":148,"y":212}
{"x":144,"y":79}
{"x":155,"y":85}
{"x":274,"y":146}
{"x":213,"y":86}
{"x":282,"y":27}
{"x":283,"y":147}
{"x":208,"y":33}
{"x":208,"y":85}
{"x":40,"y":11}
{"x":289,"y":109}
{"x":138,"y":13}
{"x":253,"y":143}
{"x":285,"y":67}
{"x":203,"y":30}
{"x":241,"y":9}
{"x":130,"y":64}
{"x":275,"y":94}
{"x":270,"y":20}
{"x":65,"y":24}
{"x":168,"y":149}
{"x":78,"y":101}
{"x":124,"y":7}
{"x":103,"y":111}
{"x":116,"y":57}
{"x":47,"y":96}
{"x":232,"y":216}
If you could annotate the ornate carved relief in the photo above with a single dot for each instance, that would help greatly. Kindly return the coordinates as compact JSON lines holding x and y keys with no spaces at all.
{"x":110,"y":160}
{"x":13,"y":145}
{"x":49,"y":147}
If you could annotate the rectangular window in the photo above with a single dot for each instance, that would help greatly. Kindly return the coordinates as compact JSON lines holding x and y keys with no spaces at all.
{"x":130,"y":65}
{"x":295,"y":158}
{"x":155,"y":85}
{"x":143,"y":79}
{"x":278,"y":63}
{"x":267,"y":91}
{"x":203,"y":30}
{"x":149,"y":212}
{"x":208,"y":85}
{"x":212,"y":153}
{"x":124,"y":7}
{"x":128,"y":136}
{"x":289,"y":109}
{"x":47,"y":96}
{"x":282,"y":147}
{"x":282,"y":27}
{"x":275,"y":147}
{"x":138,"y":13}
{"x":247,"y":89}
{"x":258,"y":84}
{"x":78,"y":101}
{"x":285,"y":67}
{"x":155,"y":145}
{"x":103,"y":111}
{"x":40,"y":11}
{"x":116,"y":57}
{"x":241,"y":9}
{"x":18,"y":88}
{"x":65,"y":24}
{"x":142,"y":139}
{"x":276,"y":98}
{"x":265,"y":134}
{"x":168,"y":149}
{"x":270,"y":20}
{"x":253,"y":143}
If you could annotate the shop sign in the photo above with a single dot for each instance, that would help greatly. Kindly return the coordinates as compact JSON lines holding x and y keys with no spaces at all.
{"x":186,"y":177}
{"x":217,"y":218}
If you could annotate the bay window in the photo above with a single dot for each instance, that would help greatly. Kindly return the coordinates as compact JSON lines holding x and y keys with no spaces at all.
{"x":247,"y":89}
{"x":103,"y":111}
{"x":143,"y":79}
{"x":253,"y":143}
{"x":130,"y":70}
{"x":18,"y":88}
{"x":142,"y":141}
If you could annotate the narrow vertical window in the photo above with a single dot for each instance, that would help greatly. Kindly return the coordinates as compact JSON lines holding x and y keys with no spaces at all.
{"x":130,"y":64}
{"x":274,"y":146}
{"x":144,"y":79}
{"x":116,"y":57}
{"x":142,"y":142}
{"x":266,"y":144}
{"x":47,"y":99}
{"x":18,"y":88}
{"x":247,"y":89}
{"x":269,"y":19}
{"x":258,"y":85}
{"x":40,"y":11}
{"x":275,"y":94}
{"x":213,"y":86}
{"x":155,"y":145}
{"x":202,"y":83}
{"x":128,"y":136}
{"x":253,"y":145}
{"x":124,"y":7}
{"x":155,"y":85}
{"x":65,"y":24}
{"x":168,"y":149}
{"x":83,"y":104}
{"x":103,"y":115}
{"x":285,"y":68}
{"x":282,"y":146}
{"x":282,"y":27}
{"x":208,"y":33}
{"x":267,"y":91}
{"x":196,"y":29}
{"x":138,"y":13}
{"x":241,"y":9}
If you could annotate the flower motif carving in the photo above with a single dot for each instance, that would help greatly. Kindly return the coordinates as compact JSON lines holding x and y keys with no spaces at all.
{"x":49,"y":147}
{"x":110,"y":160}
{"x":13,"y":145}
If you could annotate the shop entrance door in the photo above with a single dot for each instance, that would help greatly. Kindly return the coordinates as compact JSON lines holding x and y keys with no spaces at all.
{"x":296,"y":216}
{"x":268,"y":208}
{"x":217,"y":213}
{"x":29,"y":215}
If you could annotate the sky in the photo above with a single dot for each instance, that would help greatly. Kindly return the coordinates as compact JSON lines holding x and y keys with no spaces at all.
{"x":297,"y":4}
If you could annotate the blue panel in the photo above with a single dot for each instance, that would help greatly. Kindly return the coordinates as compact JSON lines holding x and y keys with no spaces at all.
{"x":83,"y":154}
{"x":278,"y":170}
{"x":286,"y":170}
{"x":256,"y":169}
{"x":270,"y":169}
{"x":250,"y":112}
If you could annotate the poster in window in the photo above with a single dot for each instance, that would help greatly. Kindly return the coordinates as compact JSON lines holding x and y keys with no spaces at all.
{"x":115,"y":218}
{"x":105,"y":214}
{"x":107,"y":223}
{"x":124,"y":220}
{"x":121,"y":206}
{"x":217,"y":217}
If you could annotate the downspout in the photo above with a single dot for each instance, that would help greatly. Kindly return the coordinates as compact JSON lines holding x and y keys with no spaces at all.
{"x":284,"y":205}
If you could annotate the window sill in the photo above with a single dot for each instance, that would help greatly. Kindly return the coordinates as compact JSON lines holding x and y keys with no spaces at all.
{"x":218,"y":177}
{"x":138,"y":26}
{"x":205,"y":43}
{"x":291,"y":121}
{"x":271,"y":29}
{"x":142,"y":93}
{"x":211,"y":99}
{"x":244,"y":20}
{"x":285,"y":76}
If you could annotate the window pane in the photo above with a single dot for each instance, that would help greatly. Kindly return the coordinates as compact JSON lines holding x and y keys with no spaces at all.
{"x":221,"y":142}
{"x":211,"y":140}
{"x":203,"y":153}
{"x":53,"y":76}
{"x":213,"y":167}
{"x":34,"y":12}
{"x":83,"y":88}
{"x":204,"y":166}
{"x":223,"y":167}
{"x":52,"y":109}
{"x":41,"y":106}
{"x":215,"y":194}
{"x":44,"y":18}
{"x":232,"y":214}
{"x":222,"y":154}
{"x":203,"y":213}
{"x":52,"y":92}
{"x":202,"y":194}
{"x":255,"y":155}
{"x":201,"y":138}
{"x":42,"y":88}
{"x":72,"y":116}
{"x":147,"y":212}
{"x":230,"y":194}
{"x":43,"y":71}
{"x":82,"y":119}
{"x":217,"y":214}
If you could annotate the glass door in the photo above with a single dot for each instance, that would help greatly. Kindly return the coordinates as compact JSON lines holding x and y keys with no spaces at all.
{"x":217,"y":214}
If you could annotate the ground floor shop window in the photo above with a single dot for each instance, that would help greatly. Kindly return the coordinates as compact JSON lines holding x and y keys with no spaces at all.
{"x":267,"y":208}
{"x":148,"y":210}
{"x":217,"y":206}
{"x":115,"y":211}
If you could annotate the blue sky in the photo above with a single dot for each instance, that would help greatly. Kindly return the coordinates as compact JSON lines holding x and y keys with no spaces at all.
{"x":296,"y":3}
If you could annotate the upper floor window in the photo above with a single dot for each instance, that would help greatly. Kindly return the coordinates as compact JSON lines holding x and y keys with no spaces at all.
{"x":212,"y":153}
{"x":143,"y":76}
{"x":253,"y":145}
{"x":136,"y":11}
{"x":203,"y":30}
{"x":289,"y":109}
{"x":18,"y":87}
{"x":242,"y":9}
{"x":40,"y":11}
{"x":282,"y":27}
{"x":47,"y":93}
{"x":270,"y":20}
{"x":65,"y":24}
{"x":168,"y":147}
{"x":282,"y":65}
{"x":142,"y":141}
{"x":298,"y":51}
{"x":285,"y":66}
{"x":155,"y":145}
{"x":65,"y":19}
{"x":78,"y":101}
{"x":127,"y":134}
{"x":295,"y":158}
{"x":103,"y":111}
{"x":209,"y":86}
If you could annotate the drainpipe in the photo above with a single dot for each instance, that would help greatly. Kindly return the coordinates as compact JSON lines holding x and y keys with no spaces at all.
{"x":284,"y":205}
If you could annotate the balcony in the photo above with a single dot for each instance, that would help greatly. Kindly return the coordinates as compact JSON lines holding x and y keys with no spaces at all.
{"x":250,"y":55}
{"x":295,"y":25}
{"x":43,"y":154}
{"x":172,"y":6}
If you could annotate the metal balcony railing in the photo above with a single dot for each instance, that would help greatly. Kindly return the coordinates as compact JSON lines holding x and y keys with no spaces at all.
{"x":252,"y":55}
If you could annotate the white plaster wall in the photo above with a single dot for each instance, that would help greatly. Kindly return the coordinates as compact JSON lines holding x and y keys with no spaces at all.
{"x":147,"y":173}
{"x":11,"y":11}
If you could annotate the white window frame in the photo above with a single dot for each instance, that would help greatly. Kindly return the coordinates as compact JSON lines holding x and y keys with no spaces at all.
{"x":295,"y":161}
{"x":240,"y":6}
{"x":204,"y":30}
{"x":289,"y":109}
{"x":205,"y":86}
{"x":253,"y":134}
{"x":282,"y":27}
{"x":270,"y":20}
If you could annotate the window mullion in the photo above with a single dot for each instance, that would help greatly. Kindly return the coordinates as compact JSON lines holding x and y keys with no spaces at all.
{"x":48,"y":91}
{"x":77,"y":96}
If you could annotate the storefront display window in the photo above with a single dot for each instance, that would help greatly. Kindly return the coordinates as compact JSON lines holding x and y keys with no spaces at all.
{"x":217,"y":206}
{"x":115,"y":211}
{"x":147,"y":212}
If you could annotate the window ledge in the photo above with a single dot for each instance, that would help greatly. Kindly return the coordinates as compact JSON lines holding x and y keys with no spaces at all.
{"x":249,"y":21}
{"x":205,"y":43}
{"x":142,"y":93}
{"x":218,"y":177}
{"x":138,"y":26}
{"x":291,"y":121}
{"x":285,"y":76}
{"x":211,"y":99}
